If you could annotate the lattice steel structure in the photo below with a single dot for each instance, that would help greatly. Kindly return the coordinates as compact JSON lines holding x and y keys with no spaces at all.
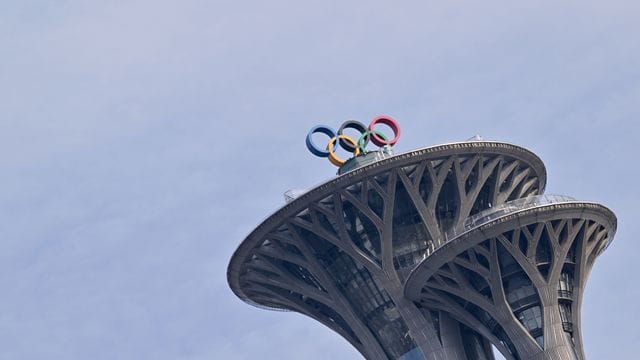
{"x":433,"y":254}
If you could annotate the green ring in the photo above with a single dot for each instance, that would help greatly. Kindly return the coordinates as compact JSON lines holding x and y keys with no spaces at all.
{"x":363,"y":141}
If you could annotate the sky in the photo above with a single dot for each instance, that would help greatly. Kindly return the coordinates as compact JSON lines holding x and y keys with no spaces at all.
{"x":141,"y":141}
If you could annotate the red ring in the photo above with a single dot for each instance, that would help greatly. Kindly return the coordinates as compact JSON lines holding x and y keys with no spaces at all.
{"x":390,"y":122}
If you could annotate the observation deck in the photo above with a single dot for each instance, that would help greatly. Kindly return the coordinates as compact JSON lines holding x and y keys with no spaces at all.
{"x":516,"y":274}
{"x":342,"y":252}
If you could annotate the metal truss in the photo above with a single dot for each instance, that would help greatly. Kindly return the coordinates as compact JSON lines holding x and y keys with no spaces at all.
{"x":342,"y":252}
{"x":519,"y":279}
{"x":433,"y":254}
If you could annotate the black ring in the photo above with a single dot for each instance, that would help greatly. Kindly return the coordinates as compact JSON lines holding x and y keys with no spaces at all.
{"x":350,"y":124}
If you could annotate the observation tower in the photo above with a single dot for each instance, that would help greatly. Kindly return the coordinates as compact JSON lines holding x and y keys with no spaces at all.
{"x":437,"y":253}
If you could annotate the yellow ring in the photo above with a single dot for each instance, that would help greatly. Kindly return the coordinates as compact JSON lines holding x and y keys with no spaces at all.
{"x":335,"y":160}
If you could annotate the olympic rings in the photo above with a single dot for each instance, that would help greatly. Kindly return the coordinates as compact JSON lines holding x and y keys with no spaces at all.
{"x":357,"y":147}
{"x":333,"y":158}
{"x":319,"y":129}
{"x":390,"y":122}
{"x":364,"y":139}
{"x":350,"y":124}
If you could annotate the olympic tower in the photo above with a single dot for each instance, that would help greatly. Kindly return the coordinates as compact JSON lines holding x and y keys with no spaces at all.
{"x":437,"y":253}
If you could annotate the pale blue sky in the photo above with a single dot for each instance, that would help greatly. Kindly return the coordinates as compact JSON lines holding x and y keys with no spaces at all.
{"x":140,"y":141}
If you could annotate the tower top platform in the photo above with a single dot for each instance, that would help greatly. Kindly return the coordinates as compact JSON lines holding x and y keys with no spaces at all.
{"x":528,"y":172}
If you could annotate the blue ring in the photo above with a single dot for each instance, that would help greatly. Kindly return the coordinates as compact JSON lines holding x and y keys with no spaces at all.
{"x":312,"y":147}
